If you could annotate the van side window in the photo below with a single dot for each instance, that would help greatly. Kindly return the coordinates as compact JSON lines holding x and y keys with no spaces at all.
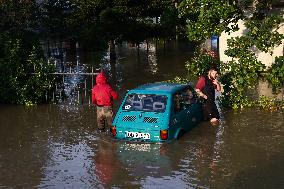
{"x":184,"y":99}
{"x":188,"y":96}
{"x":177,"y":102}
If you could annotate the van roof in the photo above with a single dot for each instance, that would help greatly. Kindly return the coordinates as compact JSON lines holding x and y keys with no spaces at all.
{"x":159,"y":88}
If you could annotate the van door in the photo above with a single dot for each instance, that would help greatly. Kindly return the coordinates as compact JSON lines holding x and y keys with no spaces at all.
{"x":191,"y":107}
{"x":178,"y":121}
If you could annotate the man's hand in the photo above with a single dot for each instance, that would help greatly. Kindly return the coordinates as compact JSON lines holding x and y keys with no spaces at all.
{"x":217,"y":84}
{"x":199,"y":93}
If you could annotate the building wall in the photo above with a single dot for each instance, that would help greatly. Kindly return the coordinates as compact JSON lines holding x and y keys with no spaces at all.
{"x":265,"y":58}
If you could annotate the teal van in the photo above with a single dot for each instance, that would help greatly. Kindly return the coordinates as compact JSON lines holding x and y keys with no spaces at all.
{"x":157,"y":112}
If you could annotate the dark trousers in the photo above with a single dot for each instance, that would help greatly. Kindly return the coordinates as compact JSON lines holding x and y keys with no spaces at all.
{"x":210,"y":110}
{"x":104,"y":117}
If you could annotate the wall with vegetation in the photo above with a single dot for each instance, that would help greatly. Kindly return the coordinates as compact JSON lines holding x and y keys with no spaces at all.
{"x":266,"y":58}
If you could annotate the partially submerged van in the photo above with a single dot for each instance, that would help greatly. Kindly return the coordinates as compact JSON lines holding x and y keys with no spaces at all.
{"x":157,"y":112}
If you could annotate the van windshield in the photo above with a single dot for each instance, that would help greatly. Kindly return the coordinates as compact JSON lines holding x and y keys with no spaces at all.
{"x":145,"y":102}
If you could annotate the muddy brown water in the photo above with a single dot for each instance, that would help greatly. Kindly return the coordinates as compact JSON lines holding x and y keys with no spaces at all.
{"x":58,"y":146}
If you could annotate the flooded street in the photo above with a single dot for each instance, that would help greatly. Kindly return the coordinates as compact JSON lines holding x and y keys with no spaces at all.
{"x":58,"y":146}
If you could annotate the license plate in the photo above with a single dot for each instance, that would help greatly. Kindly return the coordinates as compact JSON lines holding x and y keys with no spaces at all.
{"x":137,"y":135}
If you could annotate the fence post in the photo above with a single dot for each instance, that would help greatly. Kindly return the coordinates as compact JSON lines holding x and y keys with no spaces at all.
{"x":90,"y":98}
{"x":53,"y":96}
{"x":78,"y":97}
{"x":92,"y":76}
{"x":85,"y":90}
{"x":77,"y":52}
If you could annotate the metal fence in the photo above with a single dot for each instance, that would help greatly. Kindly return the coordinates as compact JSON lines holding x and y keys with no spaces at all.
{"x":74,"y":84}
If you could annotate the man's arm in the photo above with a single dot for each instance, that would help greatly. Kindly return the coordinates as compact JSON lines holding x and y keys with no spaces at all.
{"x":113,"y":94}
{"x":201,"y":94}
{"x":199,"y":86}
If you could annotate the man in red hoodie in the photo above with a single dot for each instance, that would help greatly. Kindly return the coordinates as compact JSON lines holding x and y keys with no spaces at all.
{"x":103,"y":96}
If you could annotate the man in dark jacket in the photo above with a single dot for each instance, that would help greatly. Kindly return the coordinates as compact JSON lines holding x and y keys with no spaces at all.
{"x":205,"y":88}
{"x":103,"y":96}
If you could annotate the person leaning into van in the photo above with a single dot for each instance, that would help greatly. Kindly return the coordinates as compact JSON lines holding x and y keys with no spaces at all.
{"x":103,"y":96}
{"x":205,"y":88}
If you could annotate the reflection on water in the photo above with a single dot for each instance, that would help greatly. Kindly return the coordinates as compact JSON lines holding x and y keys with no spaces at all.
{"x":49,"y":146}
{"x":151,"y":57}
{"x":58,"y":146}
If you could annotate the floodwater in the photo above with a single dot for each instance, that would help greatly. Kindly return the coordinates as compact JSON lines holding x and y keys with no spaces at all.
{"x":58,"y":146}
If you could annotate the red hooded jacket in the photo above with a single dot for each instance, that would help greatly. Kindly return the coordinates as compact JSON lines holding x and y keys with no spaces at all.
{"x":102,"y":93}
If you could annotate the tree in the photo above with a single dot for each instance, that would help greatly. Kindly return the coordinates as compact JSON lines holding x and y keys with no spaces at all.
{"x":54,"y":16}
{"x":121,"y":18}
{"x":24,"y":75}
{"x":208,"y":17}
{"x":16,"y":16}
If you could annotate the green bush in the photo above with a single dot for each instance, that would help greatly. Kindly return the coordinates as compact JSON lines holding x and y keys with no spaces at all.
{"x":276,"y":73}
{"x":25,"y":78}
{"x":201,"y":62}
{"x":238,"y":78}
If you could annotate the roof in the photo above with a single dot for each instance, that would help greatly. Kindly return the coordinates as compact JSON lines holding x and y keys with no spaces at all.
{"x":159,"y":88}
